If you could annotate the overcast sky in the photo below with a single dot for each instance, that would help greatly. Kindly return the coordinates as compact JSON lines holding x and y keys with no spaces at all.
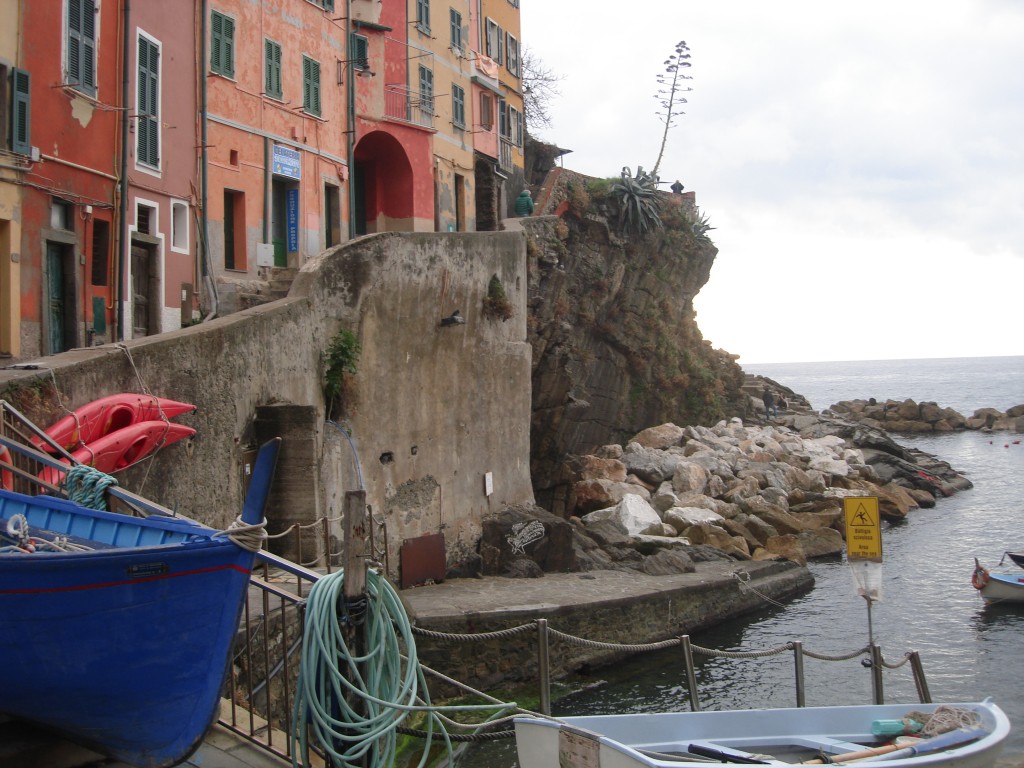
{"x":862,"y":162}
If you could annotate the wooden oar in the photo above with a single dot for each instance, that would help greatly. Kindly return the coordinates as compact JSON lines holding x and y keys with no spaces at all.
{"x":859,"y":755}
{"x":895,"y":751}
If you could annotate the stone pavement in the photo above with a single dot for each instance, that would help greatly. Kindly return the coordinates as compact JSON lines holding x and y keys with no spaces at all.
{"x":498,"y":597}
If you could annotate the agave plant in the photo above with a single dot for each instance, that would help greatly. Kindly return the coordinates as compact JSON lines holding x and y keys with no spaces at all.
{"x":701,"y":226}
{"x":638,"y":201}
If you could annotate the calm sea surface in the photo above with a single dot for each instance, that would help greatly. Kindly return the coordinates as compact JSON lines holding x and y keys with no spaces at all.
{"x":968,"y":650}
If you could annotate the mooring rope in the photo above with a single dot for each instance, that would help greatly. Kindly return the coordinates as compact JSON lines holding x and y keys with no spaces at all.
{"x":87,"y":486}
{"x":249,"y":536}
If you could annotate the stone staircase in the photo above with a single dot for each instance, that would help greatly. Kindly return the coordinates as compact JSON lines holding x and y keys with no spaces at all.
{"x":276,"y":283}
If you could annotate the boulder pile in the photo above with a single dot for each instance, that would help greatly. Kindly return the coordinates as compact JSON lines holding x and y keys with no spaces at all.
{"x":909,"y":416}
{"x":674,"y":495}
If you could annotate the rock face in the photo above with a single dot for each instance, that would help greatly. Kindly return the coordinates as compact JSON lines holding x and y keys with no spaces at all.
{"x":910,"y":416}
{"x":616,"y":347}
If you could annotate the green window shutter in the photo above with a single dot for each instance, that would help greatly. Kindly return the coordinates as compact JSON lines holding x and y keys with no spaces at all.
{"x":216,"y":34}
{"x":311,"y":86}
{"x":222,"y":44}
{"x":148,"y":128}
{"x":456,"y":28}
{"x":272,"y":54}
{"x":229,"y":46}
{"x":427,"y":90}
{"x":458,"y":106}
{"x":21,"y":113}
{"x":81,"y":39}
{"x":360,"y":51}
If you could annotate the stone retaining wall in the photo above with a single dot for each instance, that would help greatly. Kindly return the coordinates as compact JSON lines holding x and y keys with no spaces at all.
{"x":685,"y":605}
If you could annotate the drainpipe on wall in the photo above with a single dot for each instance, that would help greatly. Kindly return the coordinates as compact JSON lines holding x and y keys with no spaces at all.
{"x":123,"y":183}
{"x":207,"y":269}
{"x":351,"y":93}
{"x":267,"y":173}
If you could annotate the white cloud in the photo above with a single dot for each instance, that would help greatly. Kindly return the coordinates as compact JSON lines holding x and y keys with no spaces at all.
{"x":861,"y":163}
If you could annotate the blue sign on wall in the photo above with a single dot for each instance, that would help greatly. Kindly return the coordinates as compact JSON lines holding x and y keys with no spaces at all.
{"x":287,"y":162}
{"x":292,"y":209}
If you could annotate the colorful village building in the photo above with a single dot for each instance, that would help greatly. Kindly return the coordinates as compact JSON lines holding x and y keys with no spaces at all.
{"x":178,"y":160}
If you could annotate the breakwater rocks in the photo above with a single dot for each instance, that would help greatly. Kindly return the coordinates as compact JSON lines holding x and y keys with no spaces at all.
{"x":673,"y":496}
{"x":909,"y":416}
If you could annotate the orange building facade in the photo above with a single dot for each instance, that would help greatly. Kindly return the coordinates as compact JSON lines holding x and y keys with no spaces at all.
{"x":176,"y":157}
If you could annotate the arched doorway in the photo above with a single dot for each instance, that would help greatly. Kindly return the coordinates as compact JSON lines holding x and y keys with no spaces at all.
{"x":382,"y":185}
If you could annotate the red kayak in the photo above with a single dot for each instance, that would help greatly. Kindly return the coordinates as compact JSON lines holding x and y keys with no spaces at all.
{"x":125,"y":447}
{"x":110,"y":414}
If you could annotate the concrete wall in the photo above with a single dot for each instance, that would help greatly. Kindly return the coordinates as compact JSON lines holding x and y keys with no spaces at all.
{"x":449,"y":404}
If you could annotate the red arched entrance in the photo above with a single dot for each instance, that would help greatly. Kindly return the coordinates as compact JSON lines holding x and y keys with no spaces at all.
{"x":382,"y":183}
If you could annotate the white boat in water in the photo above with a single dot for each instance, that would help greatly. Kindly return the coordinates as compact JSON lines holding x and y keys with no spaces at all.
{"x":807,"y":735}
{"x":997,"y":587}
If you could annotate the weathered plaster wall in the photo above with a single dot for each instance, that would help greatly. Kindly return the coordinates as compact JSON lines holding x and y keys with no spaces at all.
{"x":448,"y":403}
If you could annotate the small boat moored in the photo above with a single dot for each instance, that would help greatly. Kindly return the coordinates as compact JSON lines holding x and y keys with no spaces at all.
{"x":970,"y":735}
{"x":997,"y":587}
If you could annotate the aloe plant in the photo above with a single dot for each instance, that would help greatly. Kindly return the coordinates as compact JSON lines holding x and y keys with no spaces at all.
{"x":638,"y":200}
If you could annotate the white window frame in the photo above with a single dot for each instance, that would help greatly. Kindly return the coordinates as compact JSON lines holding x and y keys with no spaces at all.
{"x":155,"y":170}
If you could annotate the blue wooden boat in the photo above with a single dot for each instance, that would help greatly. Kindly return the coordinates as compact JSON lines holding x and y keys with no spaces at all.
{"x":121,"y":642}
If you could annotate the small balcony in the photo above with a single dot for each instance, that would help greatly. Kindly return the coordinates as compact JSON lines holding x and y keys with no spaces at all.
{"x":408,"y":107}
{"x":505,"y":155}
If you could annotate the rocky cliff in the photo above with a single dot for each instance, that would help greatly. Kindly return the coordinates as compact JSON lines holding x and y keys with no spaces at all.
{"x":615,"y":340}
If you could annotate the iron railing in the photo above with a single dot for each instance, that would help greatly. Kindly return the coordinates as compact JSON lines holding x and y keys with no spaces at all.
{"x":408,"y":106}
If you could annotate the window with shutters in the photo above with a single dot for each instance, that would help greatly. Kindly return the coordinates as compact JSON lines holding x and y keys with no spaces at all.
{"x":147,"y":129}
{"x":512,"y":54}
{"x":222,"y":44}
{"x":458,"y":106}
{"x":494,"y":40}
{"x":311,"y":86}
{"x":504,"y":127}
{"x":80,"y":56}
{"x":272,"y":69}
{"x":486,"y":111}
{"x":360,"y":52}
{"x":427,"y":90}
{"x":515,"y":121}
{"x":456,"y":30}
{"x":21,"y":112}
{"x":423,"y":16}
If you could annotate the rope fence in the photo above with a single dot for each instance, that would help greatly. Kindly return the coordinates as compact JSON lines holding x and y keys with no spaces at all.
{"x":875,"y":661}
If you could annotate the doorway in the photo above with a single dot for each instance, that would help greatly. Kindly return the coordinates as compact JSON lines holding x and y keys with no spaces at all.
{"x":145,"y":299}
{"x":60,"y":297}
{"x":284,"y":219}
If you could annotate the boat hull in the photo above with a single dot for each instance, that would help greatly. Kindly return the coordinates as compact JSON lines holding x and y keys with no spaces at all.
{"x":1002,"y":588}
{"x":785,"y":736}
{"x":123,"y":648}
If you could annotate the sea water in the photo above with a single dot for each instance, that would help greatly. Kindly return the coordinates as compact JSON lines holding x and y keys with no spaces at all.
{"x":968,"y":650}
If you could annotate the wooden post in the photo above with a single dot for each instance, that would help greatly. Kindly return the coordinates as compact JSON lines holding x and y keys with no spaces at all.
{"x":354,"y":560}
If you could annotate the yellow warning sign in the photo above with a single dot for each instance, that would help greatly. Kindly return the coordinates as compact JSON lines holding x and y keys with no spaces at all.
{"x":863,"y":528}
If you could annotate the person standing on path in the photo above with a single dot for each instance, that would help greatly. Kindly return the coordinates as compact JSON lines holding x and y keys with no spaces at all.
{"x":768,"y":399}
{"x":524,"y":204}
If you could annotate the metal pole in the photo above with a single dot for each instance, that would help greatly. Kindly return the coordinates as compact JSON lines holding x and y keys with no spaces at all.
{"x":691,"y":676}
{"x":798,"y":663}
{"x":876,"y":674}
{"x":544,"y":666}
{"x":923,"y":694}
